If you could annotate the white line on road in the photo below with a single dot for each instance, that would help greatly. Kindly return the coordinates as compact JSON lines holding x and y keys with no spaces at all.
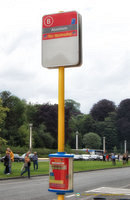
{"x":69,"y":196}
{"x":109,"y":190}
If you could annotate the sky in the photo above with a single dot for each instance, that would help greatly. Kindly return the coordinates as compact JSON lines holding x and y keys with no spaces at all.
{"x":105,"y":71}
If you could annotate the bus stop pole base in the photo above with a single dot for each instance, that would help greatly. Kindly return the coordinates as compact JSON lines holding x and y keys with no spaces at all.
{"x":60,"y":197}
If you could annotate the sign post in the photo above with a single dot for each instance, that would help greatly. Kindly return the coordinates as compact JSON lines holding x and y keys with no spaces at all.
{"x":61,"y":47}
{"x":61,"y":114}
{"x":61,"y":111}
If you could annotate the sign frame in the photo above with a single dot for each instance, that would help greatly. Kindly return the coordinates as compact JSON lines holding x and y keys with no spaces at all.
{"x":62,"y":40}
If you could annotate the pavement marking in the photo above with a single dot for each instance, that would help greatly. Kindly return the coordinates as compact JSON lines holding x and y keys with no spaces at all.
{"x":125,"y":186}
{"x":69,"y":196}
{"x":110,"y":190}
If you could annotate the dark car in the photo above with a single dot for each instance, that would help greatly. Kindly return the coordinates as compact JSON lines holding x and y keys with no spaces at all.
{"x":23,"y":157}
{"x":16,"y":158}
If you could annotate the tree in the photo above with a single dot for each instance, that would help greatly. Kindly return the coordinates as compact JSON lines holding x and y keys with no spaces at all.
{"x":42,"y":138}
{"x":15,"y":117}
{"x":107,"y":129}
{"x":123,"y":121}
{"x":101,"y":109}
{"x":73,"y":106}
{"x":92,"y":140}
{"x":123,"y":110}
{"x":47,"y":114}
{"x":3,"y":112}
{"x":2,"y":141}
{"x":72,"y":141}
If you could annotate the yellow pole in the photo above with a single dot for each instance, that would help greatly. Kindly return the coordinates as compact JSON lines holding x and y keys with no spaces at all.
{"x":60,"y":197}
{"x":61,"y":116}
{"x":61,"y":112}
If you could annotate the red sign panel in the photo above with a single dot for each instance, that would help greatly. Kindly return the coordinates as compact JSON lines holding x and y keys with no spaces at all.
{"x":60,"y":173}
{"x":59,"y":25}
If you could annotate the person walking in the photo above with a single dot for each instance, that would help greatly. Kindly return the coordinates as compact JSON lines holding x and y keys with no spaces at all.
{"x":124,"y":158}
{"x":11,"y":158}
{"x":127,"y":157}
{"x":35,"y":161}
{"x":7,"y":163}
{"x":113,"y":159}
{"x":27,"y":164}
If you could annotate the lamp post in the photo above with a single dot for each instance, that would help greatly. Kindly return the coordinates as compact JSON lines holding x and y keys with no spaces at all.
{"x":125,"y":144}
{"x":77,"y":133}
{"x":104,"y":148}
{"x":30,"y":140}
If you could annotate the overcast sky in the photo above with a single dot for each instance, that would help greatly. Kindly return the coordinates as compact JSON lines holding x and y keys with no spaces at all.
{"x":105,"y":72}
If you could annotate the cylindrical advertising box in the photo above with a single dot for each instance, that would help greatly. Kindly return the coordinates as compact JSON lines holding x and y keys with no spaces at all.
{"x":61,"y":173}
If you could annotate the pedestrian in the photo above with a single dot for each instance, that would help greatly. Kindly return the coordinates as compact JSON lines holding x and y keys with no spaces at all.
{"x":113,"y":159}
{"x":11,"y":158}
{"x":107,"y":157}
{"x":35,"y":161}
{"x":104,"y":157}
{"x":27,"y":164}
{"x":124,"y":158}
{"x":127,"y":157}
{"x":7,"y":163}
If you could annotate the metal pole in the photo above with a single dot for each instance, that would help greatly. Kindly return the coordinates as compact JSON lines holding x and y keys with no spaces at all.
{"x":104,"y":148}
{"x":61,"y":117}
{"x":30,"y":143}
{"x":77,"y":140}
{"x":125,"y":143}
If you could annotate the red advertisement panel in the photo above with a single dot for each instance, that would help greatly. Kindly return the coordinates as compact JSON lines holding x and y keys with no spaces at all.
{"x":59,"y":173}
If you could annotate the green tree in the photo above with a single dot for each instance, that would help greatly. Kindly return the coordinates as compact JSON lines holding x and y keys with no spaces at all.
{"x":16,"y":117}
{"x":3,"y":113}
{"x":107,"y":129}
{"x":22,"y":137}
{"x":42,"y":138}
{"x":72,"y":141}
{"x":123,"y":122}
{"x":2,"y":141}
{"x":73,"y":106}
{"x":92,"y":140}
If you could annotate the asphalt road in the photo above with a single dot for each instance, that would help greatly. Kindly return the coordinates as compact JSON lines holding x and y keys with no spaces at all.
{"x":36,"y":188}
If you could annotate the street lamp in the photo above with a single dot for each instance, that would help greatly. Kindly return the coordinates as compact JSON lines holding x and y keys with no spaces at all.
{"x":125,"y":144}
{"x":104,"y":148}
{"x":77,"y":133}
{"x":30,"y":141}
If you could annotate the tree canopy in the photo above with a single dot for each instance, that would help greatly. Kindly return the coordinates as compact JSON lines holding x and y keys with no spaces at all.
{"x":105,"y":120}
{"x":101,"y":109}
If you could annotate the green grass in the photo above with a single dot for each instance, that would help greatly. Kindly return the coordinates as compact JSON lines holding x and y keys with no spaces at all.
{"x":44,"y":167}
{"x":93,"y":165}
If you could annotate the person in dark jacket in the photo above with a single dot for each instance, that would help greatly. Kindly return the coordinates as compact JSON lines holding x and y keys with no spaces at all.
{"x":35,"y":161}
{"x":7,"y":163}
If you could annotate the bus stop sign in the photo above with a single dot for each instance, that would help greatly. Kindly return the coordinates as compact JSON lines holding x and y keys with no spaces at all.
{"x":61,"y":40}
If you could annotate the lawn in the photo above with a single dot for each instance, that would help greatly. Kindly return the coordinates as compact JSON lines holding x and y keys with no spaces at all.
{"x":44,"y":167}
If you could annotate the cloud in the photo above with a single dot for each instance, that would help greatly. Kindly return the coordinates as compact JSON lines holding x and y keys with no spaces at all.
{"x":106,"y":48}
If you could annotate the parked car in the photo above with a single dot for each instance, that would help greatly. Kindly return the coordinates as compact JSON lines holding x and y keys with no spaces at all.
{"x":94,"y":157}
{"x":16,"y":158}
{"x":77,"y":157}
{"x":85,"y":157}
{"x":23,"y":157}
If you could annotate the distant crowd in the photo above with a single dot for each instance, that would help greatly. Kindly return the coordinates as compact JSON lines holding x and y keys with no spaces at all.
{"x":113,"y":157}
{"x":9,"y":159}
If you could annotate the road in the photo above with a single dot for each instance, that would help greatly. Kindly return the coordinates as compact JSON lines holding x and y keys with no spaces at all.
{"x":84,"y":183}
